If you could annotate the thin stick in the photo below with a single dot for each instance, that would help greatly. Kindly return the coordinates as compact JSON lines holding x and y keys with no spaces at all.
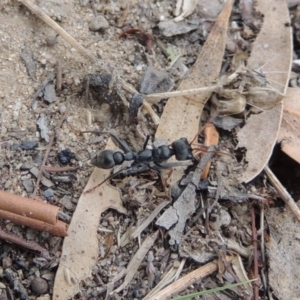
{"x":60,"y":169}
{"x":255,"y":256}
{"x":154,"y":98}
{"x":46,"y":155}
{"x":211,"y":138}
{"x":42,"y":15}
{"x":26,"y":244}
{"x":58,"y":229}
{"x":151,"y":112}
{"x":283,"y":193}
{"x":184,"y":282}
{"x":58,"y":75}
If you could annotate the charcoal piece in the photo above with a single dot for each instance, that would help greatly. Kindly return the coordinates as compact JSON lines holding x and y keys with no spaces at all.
{"x":65,"y":156}
{"x":101,"y":90}
{"x":135,"y":103}
{"x":15,"y":147}
{"x":154,"y":81}
{"x":30,"y":64}
{"x":99,"y":82}
{"x":29,"y":145}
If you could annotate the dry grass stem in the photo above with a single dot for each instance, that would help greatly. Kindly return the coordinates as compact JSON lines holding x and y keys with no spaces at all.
{"x":283,"y":193}
{"x":154,"y":98}
{"x":187,"y":280}
{"x":26,"y":244}
{"x":42,"y":15}
{"x":151,"y":112}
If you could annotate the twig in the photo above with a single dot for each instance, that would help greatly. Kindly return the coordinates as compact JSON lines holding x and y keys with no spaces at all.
{"x":28,"y":207}
{"x":184,"y":282}
{"x":27,"y":244}
{"x":58,"y":75}
{"x":283,"y":193}
{"x":42,"y":15}
{"x":58,"y":229}
{"x":154,"y":98}
{"x":46,"y":155}
{"x":151,"y":112}
{"x":121,"y":20}
{"x":60,"y":169}
{"x":211,"y":138}
{"x":255,"y":256}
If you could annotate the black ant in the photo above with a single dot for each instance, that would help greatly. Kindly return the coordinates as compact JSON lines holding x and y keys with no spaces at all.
{"x":144,"y":160}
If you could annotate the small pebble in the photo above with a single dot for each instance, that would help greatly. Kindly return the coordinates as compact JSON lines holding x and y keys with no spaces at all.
{"x":8,"y":184}
{"x":62,"y":109}
{"x":48,"y":193}
{"x":39,"y":286}
{"x":28,"y":145}
{"x":84,"y":2}
{"x":15,"y":147}
{"x":98,"y":23}
{"x":223,"y":218}
{"x":51,"y":40}
{"x":26,"y":166}
{"x":65,"y":156}
{"x":6,"y":262}
{"x":28,"y":185}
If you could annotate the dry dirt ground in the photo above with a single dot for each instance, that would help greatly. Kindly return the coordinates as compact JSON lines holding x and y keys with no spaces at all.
{"x":23,"y":34}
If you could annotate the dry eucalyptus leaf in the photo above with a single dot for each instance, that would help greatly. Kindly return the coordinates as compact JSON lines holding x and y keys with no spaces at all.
{"x":136,"y":260}
{"x":272,"y":52}
{"x":283,"y":250}
{"x":289,"y":134}
{"x":182,"y":114}
{"x":80,"y":248}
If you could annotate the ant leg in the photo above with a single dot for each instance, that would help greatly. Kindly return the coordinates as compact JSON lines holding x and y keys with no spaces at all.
{"x":146,"y":141}
{"x":107,"y":178}
{"x":199,"y":131}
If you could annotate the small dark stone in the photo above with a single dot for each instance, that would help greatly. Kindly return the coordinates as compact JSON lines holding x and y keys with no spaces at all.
{"x":65,"y":156}
{"x":100,"y":82}
{"x":155,"y":81}
{"x":15,"y":147}
{"x":26,"y":166}
{"x":48,"y":193}
{"x":28,"y":185}
{"x":39,"y":286}
{"x":29,"y":145}
{"x":203,"y":185}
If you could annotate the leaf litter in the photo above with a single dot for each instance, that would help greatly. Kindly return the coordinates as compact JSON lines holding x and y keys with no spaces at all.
{"x":242,"y":92}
